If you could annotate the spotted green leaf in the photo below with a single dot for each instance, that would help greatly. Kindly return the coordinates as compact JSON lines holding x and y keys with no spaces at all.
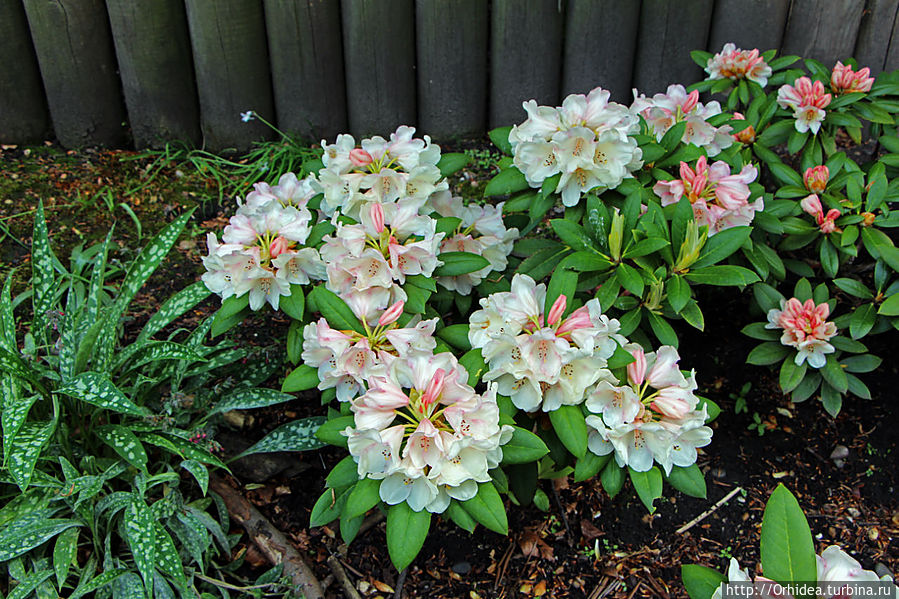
{"x":140,"y":532}
{"x":28,"y":532}
{"x":155,"y":351}
{"x":94,"y":388}
{"x":14,"y":414}
{"x":42,"y":273}
{"x":28,"y":584}
{"x":97,"y":582}
{"x":184,"y":448}
{"x":11,"y":364}
{"x":64,"y":554}
{"x":7,"y":322}
{"x":128,"y":586}
{"x":167,"y":558}
{"x":298,"y":435}
{"x":199,"y":472}
{"x":191,"y":533}
{"x":248,"y":398}
{"x":25,"y":450}
{"x":98,"y":276}
{"x":125,"y":443}
{"x":174,"y":307}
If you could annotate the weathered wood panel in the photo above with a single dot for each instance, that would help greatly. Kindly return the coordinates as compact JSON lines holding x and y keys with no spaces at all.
{"x":823,"y":29}
{"x":600,"y":42}
{"x":451,"y":46}
{"x":891,"y":62}
{"x":307,"y":66}
{"x":232,"y":69}
{"x":525,"y":56}
{"x":23,"y":109}
{"x":155,"y":64}
{"x":875,"y":33}
{"x":748,"y":24}
{"x":379,"y":57}
{"x":74,"y":49}
{"x":669,"y":30}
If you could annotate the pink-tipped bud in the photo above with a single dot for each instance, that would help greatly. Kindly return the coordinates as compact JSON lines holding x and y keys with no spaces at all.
{"x":391,"y":314}
{"x":579,"y":319}
{"x":812,"y":205}
{"x":558,"y":308}
{"x":636,"y":370}
{"x":360,"y":157}
{"x":278,"y":246}
{"x":692,"y":100}
{"x":686,"y":173}
{"x":377,"y":216}
{"x":816,"y":178}
{"x":826,"y":222}
{"x":670,"y":403}
{"x":435,"y":388}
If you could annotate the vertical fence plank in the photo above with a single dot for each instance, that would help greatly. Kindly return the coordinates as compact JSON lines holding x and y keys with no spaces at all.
{"x":748,"y":24}
{"x":669,"y":31}
{"x":156,"y":68}
{"x":525,"y":56}
{"x":231,"y":62}
{"x":74,"y":49}
{"x":451,"y":41}
{"x":892,"y":58}
{"x":823,"y":29}
{"x":379,"y":54}
{"x":874,"y":34}
{"x":600,"y":40}
{"x":307,"y":66}
{"x":23,"y":108}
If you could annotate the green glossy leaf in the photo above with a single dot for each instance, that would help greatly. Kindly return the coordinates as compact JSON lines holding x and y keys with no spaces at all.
{"x":452,"y":162}
{"x":500,"y":138}
{"x":787,"y":548}
{"x":344,"y":474}
{"x":630,"y":279}
{"x":589,"y":466}
{"x":299,"y":435}
{"x":523,"y":447}
{"x":771,"y":352}
{"x":30,"y":531}
{"x":456,"y":335}
{"x":232,"y":312}
{"x":459,"y":263}
{"x":406,"y":533}
{"x":328,"y":507}
{"x":329,"y":432}
{"x":701,"y":582}
{"x":460,"y":517}
{"x":363,"y":497}
{"x":335,"y":310}
{"x":648,"y":486}
{"x":474,"y":364}
{"x":861,"y":363}
{"x":791,"y":375}
{"x":688,"y":480}
{"x":487,"y":508}
{"x":833,"y":373}
{"x":571,"y":428}
{"x":125,"y":443}
{"x":722,"y":275}
{"x":862,"y":321}
{"x":678,"y":292}
{"x":508,"y":181}
{"x":572,"y":234}
{"x":294,"y":304}
{"x":722,"y":245}
{"x":612,"y":478}
{"x":140,"y":532}
{"x":301,"y":378}
{"x":890,"y":307}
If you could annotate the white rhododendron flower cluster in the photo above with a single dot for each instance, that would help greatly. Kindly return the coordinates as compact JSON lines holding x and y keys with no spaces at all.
{"x":663,"y":111}
{"x":834,"y":566}
{"x":806,"y":328}
{"x":368,"y":262}
{"x":542,"y":361}
{"x":425,"y":433}
{"x":378,"y":170}
{"x":481,"y":232}
{"x":587,"y":140}
{"x":346,"y":359}
{"x":262,"y":251}
{"x":653,"y":416}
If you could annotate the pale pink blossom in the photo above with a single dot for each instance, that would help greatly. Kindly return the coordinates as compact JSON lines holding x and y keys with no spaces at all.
{"x":844,"y":80}
{"x":734,"y":63}
{"x":807,"y":100}
{"x":806,"y":328}
{"x":663,"y":111}
{"x":826,"y":222}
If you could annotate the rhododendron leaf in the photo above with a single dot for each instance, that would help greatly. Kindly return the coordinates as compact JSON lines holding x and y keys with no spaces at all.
{"x":608,"y":293}
{"x":701,"y":57}
{"x":562,"y":282}
{"x":523,"y":447}
{"x":301,"y":378}
{"x":786,"y":546}
{"x":612,"y":478}
{"x":771,"y":352}
{"x":757,"y":330}
{"x":343,"y":474}
{"x":474,"y":364}
{"x":406,"y":533}
{"x":835,"y":376}
{"x":648,"y":486}
{"x":572,"y":234}
{"x":673,"y":136}
{"x":766,"y":296}
{"x":448,"y":225}
{"x":416,"y":299}
{"x":630,"y":279}
{"x":487,"y":508}
{"x":630,"y":320}
{"x":711,"y":408}
{"x":363,"y":497}
{"x":571,"y":428}
{"x":521,"y":202}
{"x":688,"y":480}
{"x":460,"y":517}
{"x":830,"y":262}
{"x":661,"y":329}
{"x":299,"y":435}
{"x":723,"y":276}
{"x":806,"y":388}
{"x":687,"y":153}
{"x":248,"y":398}
{"x":542,"y":262}
{"x":585,"y":262}
{"x":791,"y":375}
{"x":857,"y":387}
{"x":330,"y":431}
{"x":293,"y":304}
{"x":318,"y":232}
{"x":693,"y":315}
{"x":701,"y":582}
{"x":232,"y":311}
{"x":349,"y":527}
{"x":328,"y":507}
{"x":620,"y":358}
{"x":862,"y":363}
{"x":831,"y":399}
{"x":722,"y":245}
{"x":335,"y":310}
{"x":295,"y":341}
{"x":500,"y":138}
{"x":862,"y":321}
{"x":452,"y":162}
{"x":506,"y":182}
{"x":459,"y":263}
{"x":589,"y":466}
{"x":456,"y":335}
{"x":652,"y":151}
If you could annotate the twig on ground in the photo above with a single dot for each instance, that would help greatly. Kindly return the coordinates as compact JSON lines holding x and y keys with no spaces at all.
{"x":340,"y":575}
{"x":398,"y":593}
{"x":562,"y":512}
{"x":709,"y":511}
{"x":271,"y":541}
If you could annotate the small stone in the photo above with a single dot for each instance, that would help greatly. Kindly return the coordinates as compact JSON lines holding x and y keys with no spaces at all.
{"x":873,"y":534}
{"x":462,"y":568}
{"x":854,"y":512}
{"x":840,"y":452}
{"x":839,"y":463}
{"x":881,"y":570}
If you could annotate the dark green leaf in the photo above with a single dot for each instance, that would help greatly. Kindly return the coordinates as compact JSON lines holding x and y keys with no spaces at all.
{"x":487,"y":508}
{"x":788,"y":552}
{"x":523,"y":447}
{"x":335,"y":310}
{"x":648,"y":486}
{"x":406,"y":533}
{"x":459,"y":263}
{"x":570,"y":426}
{"x":508,"y":181}
{"x":701,"y":582}
{"x":688,"y":480}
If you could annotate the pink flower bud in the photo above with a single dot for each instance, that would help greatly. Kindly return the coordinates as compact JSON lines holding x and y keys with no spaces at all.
{"x":826,"y":223}
{"x":636,"y":370}
{"x":391,"y":314}
{"x":278,"y":246}
{"x":816,"y":178}
{"x":579,"y":319}
{"x":435,"y":388}
{"x":670,"y":403}
{"x":360,"y":157}
{"x":812,"y":205}
{"x":692,"y":100}
{"x":558,"y":308}
{"x":377,"y":216}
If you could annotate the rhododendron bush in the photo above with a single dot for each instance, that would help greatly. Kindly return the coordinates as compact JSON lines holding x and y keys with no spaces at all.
{"x":464,"y":350}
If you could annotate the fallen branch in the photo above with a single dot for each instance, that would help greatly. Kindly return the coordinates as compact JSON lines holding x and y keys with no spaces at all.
{"x":270,"y":541}
{"x":340,"y":576}
{"x":709,"y":511}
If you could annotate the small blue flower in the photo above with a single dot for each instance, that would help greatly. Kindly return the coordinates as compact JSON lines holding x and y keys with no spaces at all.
{"x":247,"y":116}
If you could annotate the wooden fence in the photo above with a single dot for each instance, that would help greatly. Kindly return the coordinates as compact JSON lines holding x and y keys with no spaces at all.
{"x":142,"y":72}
